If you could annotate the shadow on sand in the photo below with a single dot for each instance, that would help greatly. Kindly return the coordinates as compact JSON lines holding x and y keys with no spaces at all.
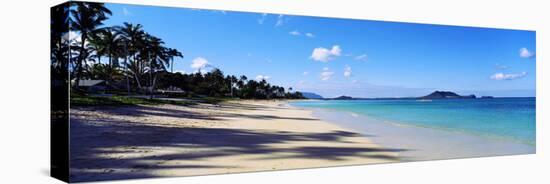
{"x":86,"y":147}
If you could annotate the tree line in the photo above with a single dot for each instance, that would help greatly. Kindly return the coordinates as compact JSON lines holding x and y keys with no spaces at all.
{"x":134,"y":60}
{"x":216,"y":84}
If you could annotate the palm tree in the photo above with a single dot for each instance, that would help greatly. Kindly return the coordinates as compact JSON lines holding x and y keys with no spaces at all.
{"x":96,"y":45}
{"x":172,"y":53}
{"x":88,"y":59}
{"x":155,"y":53}
{"x":112,"y":43}
{"x":250,"y":90}
{"x":59,"y":46}
{"x":242,"y":81}
{"x":131,"y":36}
{"x":59,"y":58}
{"x":97,"y":71}
{"x":275,"y":91}
{"x":232,"y":80}
{"x":162,"y":55}
{"x":281,"y":91}
{"x":86,"y":18}
{"x":106,"y":42}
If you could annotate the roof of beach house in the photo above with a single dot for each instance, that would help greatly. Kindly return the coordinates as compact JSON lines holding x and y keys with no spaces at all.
{"x":88,"y":83}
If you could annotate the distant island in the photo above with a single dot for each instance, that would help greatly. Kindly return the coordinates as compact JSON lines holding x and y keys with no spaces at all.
{"x":342,"y":98}
{"x":445,"y":95}
{"x":310,"y":95}
{"x":433,"y":95}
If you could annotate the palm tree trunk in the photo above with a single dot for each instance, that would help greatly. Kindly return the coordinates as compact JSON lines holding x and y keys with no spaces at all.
{"x":154,"y":83}
{"x":126,"y":68}
{"x":137,"y":80}
{"x":80,"y":59}
{"x":98,"y":59}
{"x":151,"y":78}
{"x":135,"y":74}
{"x":110,"y":69}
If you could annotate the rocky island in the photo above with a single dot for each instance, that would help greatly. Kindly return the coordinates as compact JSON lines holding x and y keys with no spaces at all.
{"x":445,"y":95}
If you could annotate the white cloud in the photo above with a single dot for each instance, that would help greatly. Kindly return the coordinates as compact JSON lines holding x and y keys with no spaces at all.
{"x":362,"y":57}
{"x":326,"y":74}
{"x":525,"y":53}
{"x":262,"y":19}
{"x":297,"y":33}
{"x":502,"y":67}
{"x":294,"y":33}
{"x":347,"y":71}
{"x":125,"y":11}
{"x":280,"y":21}
{"x":354,"y":81}
{"x":511,"y":76}
{"x":262,"y":77}
{"x":305,"y":73}
{"x":199,"y":63}
{"x":325,"y":55}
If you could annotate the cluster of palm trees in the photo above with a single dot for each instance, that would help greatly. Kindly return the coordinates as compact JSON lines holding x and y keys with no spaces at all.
{"x":136,"y":61}
{"x":59,"y":56}
{"x":216,"y":84}
{"x":130,"y":51}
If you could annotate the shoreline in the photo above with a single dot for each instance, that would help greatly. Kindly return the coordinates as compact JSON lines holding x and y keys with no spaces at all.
{"x":423,"y":143}
{"x":233,"y":137}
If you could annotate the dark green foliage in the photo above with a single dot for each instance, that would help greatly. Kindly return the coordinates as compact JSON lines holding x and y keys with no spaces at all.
{"x":137,"y":62}
{"x":215,"y":84}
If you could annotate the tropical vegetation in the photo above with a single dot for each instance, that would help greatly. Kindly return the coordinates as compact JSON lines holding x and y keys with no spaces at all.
{"x":134,"y":62}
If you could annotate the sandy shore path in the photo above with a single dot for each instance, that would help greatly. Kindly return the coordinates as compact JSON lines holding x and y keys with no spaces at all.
{"x":238,"y":136}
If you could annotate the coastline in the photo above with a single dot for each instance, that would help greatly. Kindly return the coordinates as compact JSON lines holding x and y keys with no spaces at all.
{"x":423,"y":143}
{"x":233,"y":137}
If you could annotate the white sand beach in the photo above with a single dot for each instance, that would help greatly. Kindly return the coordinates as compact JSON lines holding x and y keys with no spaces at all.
{"x":238,"y":136}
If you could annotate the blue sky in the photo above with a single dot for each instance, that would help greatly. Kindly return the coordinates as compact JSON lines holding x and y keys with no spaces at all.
{"x":334,"y":57}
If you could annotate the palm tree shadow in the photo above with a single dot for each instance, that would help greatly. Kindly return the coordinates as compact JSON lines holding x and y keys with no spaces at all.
{"x":92,"y":139}
{"x":147,"y":110}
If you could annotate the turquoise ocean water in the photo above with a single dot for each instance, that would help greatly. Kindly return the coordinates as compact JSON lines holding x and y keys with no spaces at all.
{"x":511,"y":119}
